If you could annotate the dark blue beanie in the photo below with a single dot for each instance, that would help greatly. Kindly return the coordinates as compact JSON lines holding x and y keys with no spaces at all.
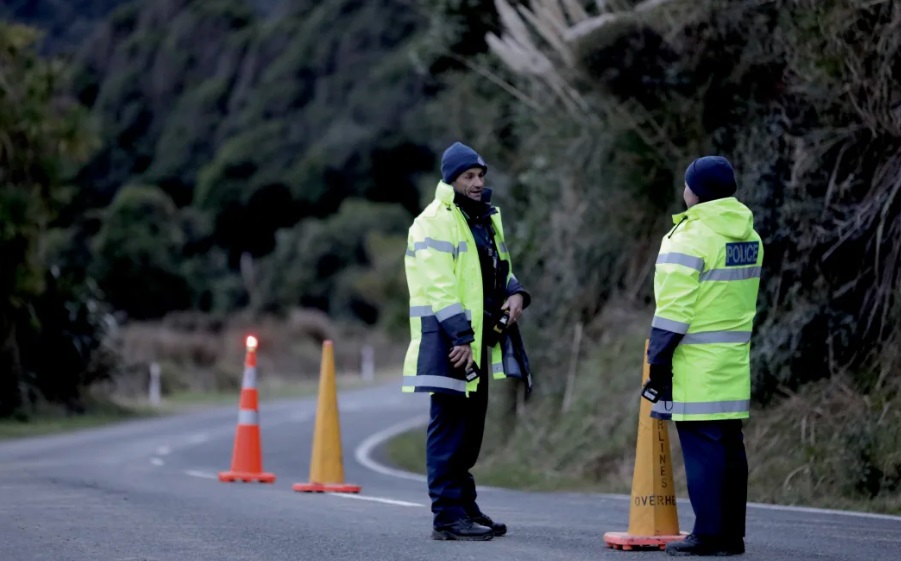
{"x":711,"y":178}
{"x":457,"y":159}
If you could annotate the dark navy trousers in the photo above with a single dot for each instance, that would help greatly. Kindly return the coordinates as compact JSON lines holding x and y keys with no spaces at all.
{"x":717,"y":471}
{"x":456,"y":426}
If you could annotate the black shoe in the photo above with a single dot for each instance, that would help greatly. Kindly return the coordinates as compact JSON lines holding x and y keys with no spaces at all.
{"x":499,"y":528}
{"x":463,"y":530}
{"x":706,"y":547}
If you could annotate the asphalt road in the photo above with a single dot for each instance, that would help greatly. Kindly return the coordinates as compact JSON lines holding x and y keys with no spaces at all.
{"x":147,"y":490}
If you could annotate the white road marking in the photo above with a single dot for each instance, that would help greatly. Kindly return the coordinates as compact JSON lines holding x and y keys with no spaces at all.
{"x":199,"y":438}
{"x":812,"y":510}
{"x":157,"y":461}
{"x":363,"y":453}
{"x":163,"y":451}
{"x":376,"y":499}
{"x":200,"y":474}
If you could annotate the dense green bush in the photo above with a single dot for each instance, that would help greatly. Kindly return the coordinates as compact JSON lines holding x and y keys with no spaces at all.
{"x":137,"y":254}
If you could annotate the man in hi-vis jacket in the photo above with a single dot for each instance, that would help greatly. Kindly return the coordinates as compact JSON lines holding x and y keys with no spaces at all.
{"x":705,"y":287}
{"x":464,"y":307}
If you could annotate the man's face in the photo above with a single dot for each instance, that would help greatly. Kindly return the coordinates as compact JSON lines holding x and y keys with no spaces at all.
{"x":470,"y":183}
{"x":690,"y":198}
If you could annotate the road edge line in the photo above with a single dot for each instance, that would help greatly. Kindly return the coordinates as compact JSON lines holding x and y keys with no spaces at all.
{"x":363,"y":453}
{"x":363,"y":456}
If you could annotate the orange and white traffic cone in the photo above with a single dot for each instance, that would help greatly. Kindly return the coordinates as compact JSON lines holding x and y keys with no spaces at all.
{"x":653,"y":518}
{"x":247,"y":457}
{"x":326,"y":464}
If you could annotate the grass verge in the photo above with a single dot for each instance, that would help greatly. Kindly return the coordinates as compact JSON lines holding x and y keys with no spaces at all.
{"x":51,"y":420}
{"x":830,"y":446}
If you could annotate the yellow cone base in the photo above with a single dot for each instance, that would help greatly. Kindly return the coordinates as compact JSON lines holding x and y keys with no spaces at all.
{"x":627,"y":541}
{"x":325,"y":488}
{"x":231,"y":476}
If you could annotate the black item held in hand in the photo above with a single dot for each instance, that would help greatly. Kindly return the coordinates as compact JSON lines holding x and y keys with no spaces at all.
{"x":471,"y":373}
{"x":502,"y":324}
{"x":649,"y":392}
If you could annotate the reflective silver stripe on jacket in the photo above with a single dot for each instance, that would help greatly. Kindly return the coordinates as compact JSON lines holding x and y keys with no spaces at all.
{"x":702,"y":407}
{"x":426,"y":311}
{"x":670,"y":325}
{"x":731,"y":274}
{"x":449,"y":311}
{"x":424,"y":381}
{"x":437,"y":245}
{"x":683,"y":259}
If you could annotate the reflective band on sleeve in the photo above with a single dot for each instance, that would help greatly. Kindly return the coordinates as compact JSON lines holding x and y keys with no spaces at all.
{"x":670,"y":325}
{"x":732,"y":274}
{"x":437,"y":245}
{"x":420,"y":311}
{"x":706,"y":337}
{"x":683,"y":259}
{"x":502,"y":248}
{"x":426,"y":311}
{"x":449,"y":311}
{"x":435,"y":382}
{"x":702,"y":407}
{"x":248,"y":417}
{"x":496,"y":368}
{"x":250,"y":378}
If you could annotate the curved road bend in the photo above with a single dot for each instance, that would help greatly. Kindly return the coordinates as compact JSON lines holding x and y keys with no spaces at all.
{"x":147,"y":491}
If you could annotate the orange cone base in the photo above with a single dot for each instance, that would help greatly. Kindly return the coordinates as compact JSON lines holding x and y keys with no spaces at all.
{"x":246,"y":477}
{"x":325,"y":488}
{"x":627,"y":541}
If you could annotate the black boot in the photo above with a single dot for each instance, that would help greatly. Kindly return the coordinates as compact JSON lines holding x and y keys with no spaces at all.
{"x":463,"y":530}
{"x":499,"y":528}
{"x":694,"y":545}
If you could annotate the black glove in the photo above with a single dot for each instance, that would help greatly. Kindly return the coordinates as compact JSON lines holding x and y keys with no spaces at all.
{"x":659,"y":386}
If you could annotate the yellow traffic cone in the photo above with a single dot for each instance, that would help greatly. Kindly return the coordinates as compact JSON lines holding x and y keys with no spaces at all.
{"x":653,"y":517}
{"x":326,"y":464}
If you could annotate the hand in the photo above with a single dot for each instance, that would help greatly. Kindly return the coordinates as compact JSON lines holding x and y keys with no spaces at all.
{"x":513,"y":306}
{"x":661,"y":375}
{"x":655,"y":391}
{"x":461,"y":356}
{"x":659,"y":386}
{"x":650,"y":392}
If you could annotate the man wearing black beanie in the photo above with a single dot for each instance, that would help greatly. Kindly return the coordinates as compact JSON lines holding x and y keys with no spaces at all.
{"x":705,"y":288}
{"x":465,"y":304}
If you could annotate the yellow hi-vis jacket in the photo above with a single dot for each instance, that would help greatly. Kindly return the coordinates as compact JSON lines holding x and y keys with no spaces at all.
{"x":705,"y":287}
{"x":446,"y":297}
